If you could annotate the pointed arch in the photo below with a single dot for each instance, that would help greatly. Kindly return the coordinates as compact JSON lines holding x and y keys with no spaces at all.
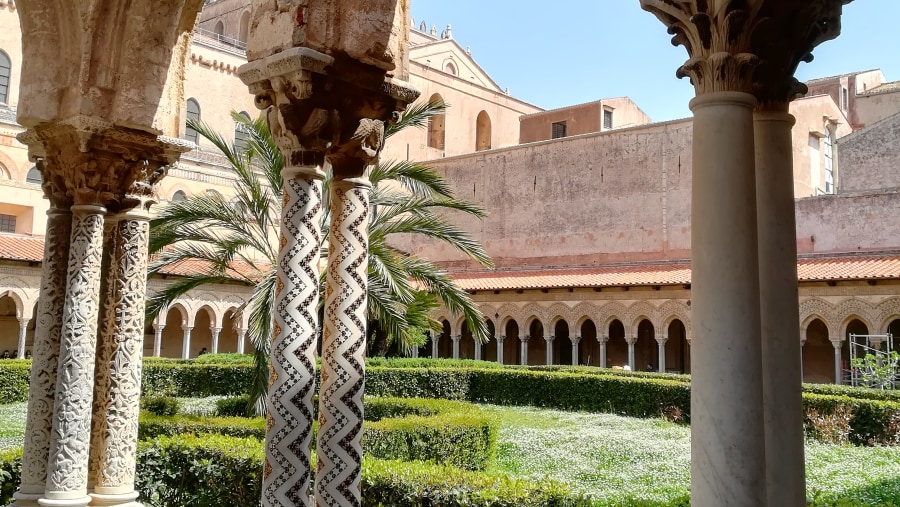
{"x":483,"y":131}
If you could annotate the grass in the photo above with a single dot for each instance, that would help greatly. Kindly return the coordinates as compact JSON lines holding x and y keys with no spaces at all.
{"x":623,"y":461}
{"x":12,"y":425}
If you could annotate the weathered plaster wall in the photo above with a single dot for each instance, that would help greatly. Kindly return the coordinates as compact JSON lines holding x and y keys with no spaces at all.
{"x":875,"y":107}
{"x":11,"y":44}
{"x":848,"y":223}
{"x":872,"y":157}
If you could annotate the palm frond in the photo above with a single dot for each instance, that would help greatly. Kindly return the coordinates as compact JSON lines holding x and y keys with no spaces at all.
{"x":415,"y":115}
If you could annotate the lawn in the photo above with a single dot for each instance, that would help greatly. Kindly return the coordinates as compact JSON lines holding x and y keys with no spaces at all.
{"x":622,"y":460}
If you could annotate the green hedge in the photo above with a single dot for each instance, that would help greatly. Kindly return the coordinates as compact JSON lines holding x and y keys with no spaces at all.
{"x":10,"y":472}
{"x":841,"y":419}
{"x":194,"y":379}
{"x":863,"y":393}
{"x":151,"y":426}
{"x":14,"y":377}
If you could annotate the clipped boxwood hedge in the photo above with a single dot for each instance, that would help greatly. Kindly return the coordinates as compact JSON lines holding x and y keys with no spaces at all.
{"x":841,"y":419}
{"x":194,"y":379}
{"x":14,"y":378}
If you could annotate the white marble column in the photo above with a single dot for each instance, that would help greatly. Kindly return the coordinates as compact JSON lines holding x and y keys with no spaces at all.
{"x":728,"y":460}
{"x":435,"y":346}
{"x":339,"y":450}
{"x":478,"y":347}
{"x":214,"y":346}
{"x":414,"y":353}
{"x":23,"y":330}
{"x":782,"y":371}
{"x":45,"y":358}
{"x":661,"y":343}
{"x":157,"y":339}
{"x":456,"y":339}
{"x":292,"y":353}
{"x":838,"y":374}
{"x":117,"y":386}
{"x":241,"y":339}
{"x":631,"y":341}
{"x":186,"y":342}
{"x":523,"y":347}
{"x":603,"y":340}
{"x":500,"y":339}
{"x":67,"y":470}
{"x":548,"y":349}
{"x":575,"y":341}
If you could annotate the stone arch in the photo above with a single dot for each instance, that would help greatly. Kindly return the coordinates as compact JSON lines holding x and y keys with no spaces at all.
{"x":671,"y":311}
{"x":638,"y":311}
{"x":174,"y":319}
{"x":608,"y":313}
{"x":816,"y":307}
{"x":818,"y":351}
{"x":888,"y":311}
{"x":10,"y":311}
{"x":8,"y":166}
{"x":508,"y":312}
{"x":804,"y":324}
{"x":558,"y":312}
{"x":437,"y":125}
{"x":483,"y":131}
{"x":584,"y":311}
{"x":219,"y":29}
{"x":450,"y":67}
{"x":850,"y":309}
{"x":244,"y":30}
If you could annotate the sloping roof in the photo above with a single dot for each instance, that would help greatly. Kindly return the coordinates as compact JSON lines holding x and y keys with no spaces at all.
{"x":893,"y":86}
{"x":14,"y":247}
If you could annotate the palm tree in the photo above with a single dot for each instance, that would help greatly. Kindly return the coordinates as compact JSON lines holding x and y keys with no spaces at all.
{"x":234,"y":241}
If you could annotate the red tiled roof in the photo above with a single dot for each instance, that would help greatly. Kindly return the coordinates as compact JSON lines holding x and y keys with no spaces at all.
{"x":239,"y":269}
{"x":849,"y":268}
{"x":21,"y":248}
{"x":668,"y":274}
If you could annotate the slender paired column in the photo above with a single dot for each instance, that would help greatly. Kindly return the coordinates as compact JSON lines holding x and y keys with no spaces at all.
{"x":523,"y":347}
{"x":456,"y":339}
{"x":435,"y":346}
{"x":500,"y":339}
{"x":118,"y":374}
{"x":186,"y":342}
{"x":631,"y":341}
{"x":478,"y":347}
{"x":67,"y":470}
{"x":214,"y":346}
{"x":339,"y":450}
{"x":661,"y":342}
{"x":23,"y":330}
{"x":241,"y":338}
{"x":575,"y":341}
{"x":782,"y":371}
{"x":548,"y":348}
{"x":603,"y":340}
{"x":287,"y":471}
{"x":838,"y":373}
{"x":45,"y":358}
{"x":157,"y":339}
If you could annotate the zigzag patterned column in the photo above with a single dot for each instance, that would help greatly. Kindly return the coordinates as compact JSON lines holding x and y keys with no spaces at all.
{"x":339,"y":451}
{"x":118,"y":375}
{"x":292,"y":360}
{"x":67,"y":472}
{"x":45,"y":359}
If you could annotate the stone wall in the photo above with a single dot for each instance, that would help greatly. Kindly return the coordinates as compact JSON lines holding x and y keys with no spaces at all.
{"x":871,"y":157}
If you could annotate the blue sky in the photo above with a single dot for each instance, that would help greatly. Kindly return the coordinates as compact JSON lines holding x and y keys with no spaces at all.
{"x":575,"y":51}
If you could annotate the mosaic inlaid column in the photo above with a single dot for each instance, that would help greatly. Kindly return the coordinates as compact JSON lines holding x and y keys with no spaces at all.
{"x":118,"y":373}
{"x":67,"y":470}
{"x":339,"y":450}
{"x":575,"y":341}
{"x":292,"y":360}
{"x":45,"y":358}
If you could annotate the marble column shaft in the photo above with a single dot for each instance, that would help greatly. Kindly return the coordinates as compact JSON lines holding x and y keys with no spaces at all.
{"x":523,"y":347}
{"x":186,"y":342}
{"x":661,"y":343}
{"x":631,"y":341}
{"x":728,"y":460}
{"x":548,"y":349}
{"x":241,"y":338}
{"x":23,"y":331}
{"x":838,"y":376}
{"x":157,"y":339}
{"x":292,"y":356}
{"x":67,"y":470}
{"x":214,"y":342}
{"x":575,"y":341}
{"x":339,"y":449}
{"x":500,"y":340}
{"x":117,"y":386}
{"x":603,"y":340}
{"x":782,"y":371}
{"x":45,"y":358}
{"x":456,"y":340}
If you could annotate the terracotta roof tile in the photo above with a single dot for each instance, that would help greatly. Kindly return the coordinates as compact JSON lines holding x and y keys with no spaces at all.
{"x":21,"y":248}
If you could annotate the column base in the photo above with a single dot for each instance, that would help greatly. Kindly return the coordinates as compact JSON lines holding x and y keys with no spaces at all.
{"x":25,"y":499}
{"x":117,"y":500}
{"x":84,"y":501}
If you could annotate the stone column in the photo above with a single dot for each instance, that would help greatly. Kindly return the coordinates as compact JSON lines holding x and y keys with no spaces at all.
{"x":23,"y":330}
{"x":456,"y":339}
{"x":602,"y":340}
{"x":838,"y":373}
{"x":157,"y":339}
{"x":287,"y":474}
{"x":67,"y":470}
{"x":45,"y":358}
{"x":523,"y":347}
{"x":339,"y":449}
{"x":661,"y":342}
{"x":500,"y":340}
{"x":117,"y":386}
{"x":548,"y":349}
{"x":779,"y":305}
{"x":186,"y":342}
{"x":214,"y":346}
{"x":478,"y":347}
{"x":241,"y":338}
{"x":631,"y":340}
{"x":575,"y":341}
{"x":435,"y":346}
{"x":414,"y":353}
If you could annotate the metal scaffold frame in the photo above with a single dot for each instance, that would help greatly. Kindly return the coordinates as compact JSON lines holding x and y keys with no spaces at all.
{"x":879,"y":345}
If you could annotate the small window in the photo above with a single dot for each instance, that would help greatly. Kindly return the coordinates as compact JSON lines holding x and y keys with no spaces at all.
{"x":193,"y":113}
{"x":5,"y":71}
{"x":7,"y":223}
{"x":558,"y":130}
{"x":845,"y":98}
{"x":220,"y":28}
{"x":34,"y":176}
{"x":179,"y":196}
{"x":241,"y":132}
{"x":607,"y":119}
{"x":450,"y":68}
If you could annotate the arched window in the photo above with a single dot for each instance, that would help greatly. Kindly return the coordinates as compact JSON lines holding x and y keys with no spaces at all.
{"x":179,"y":196}
{"x":829,"y":160}
{"x":449,"y":68}
{"x":193,"y":113}
{"x":220,"y":28}
{"x":245,"y":26}
{"x":241,"y":132}
{"x":34,"y":176}
{"x":5,"y":70}
{"x":436,"y":125}
{"x":4,"y":173}
{"x":483,"y":132}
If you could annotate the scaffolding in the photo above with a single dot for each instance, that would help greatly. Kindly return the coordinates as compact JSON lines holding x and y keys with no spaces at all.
{"x":879,"y":366}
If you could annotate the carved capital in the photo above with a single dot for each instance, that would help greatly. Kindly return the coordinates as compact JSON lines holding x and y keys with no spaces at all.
{"x":717,"y":37}
{"x":85,"y":160}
